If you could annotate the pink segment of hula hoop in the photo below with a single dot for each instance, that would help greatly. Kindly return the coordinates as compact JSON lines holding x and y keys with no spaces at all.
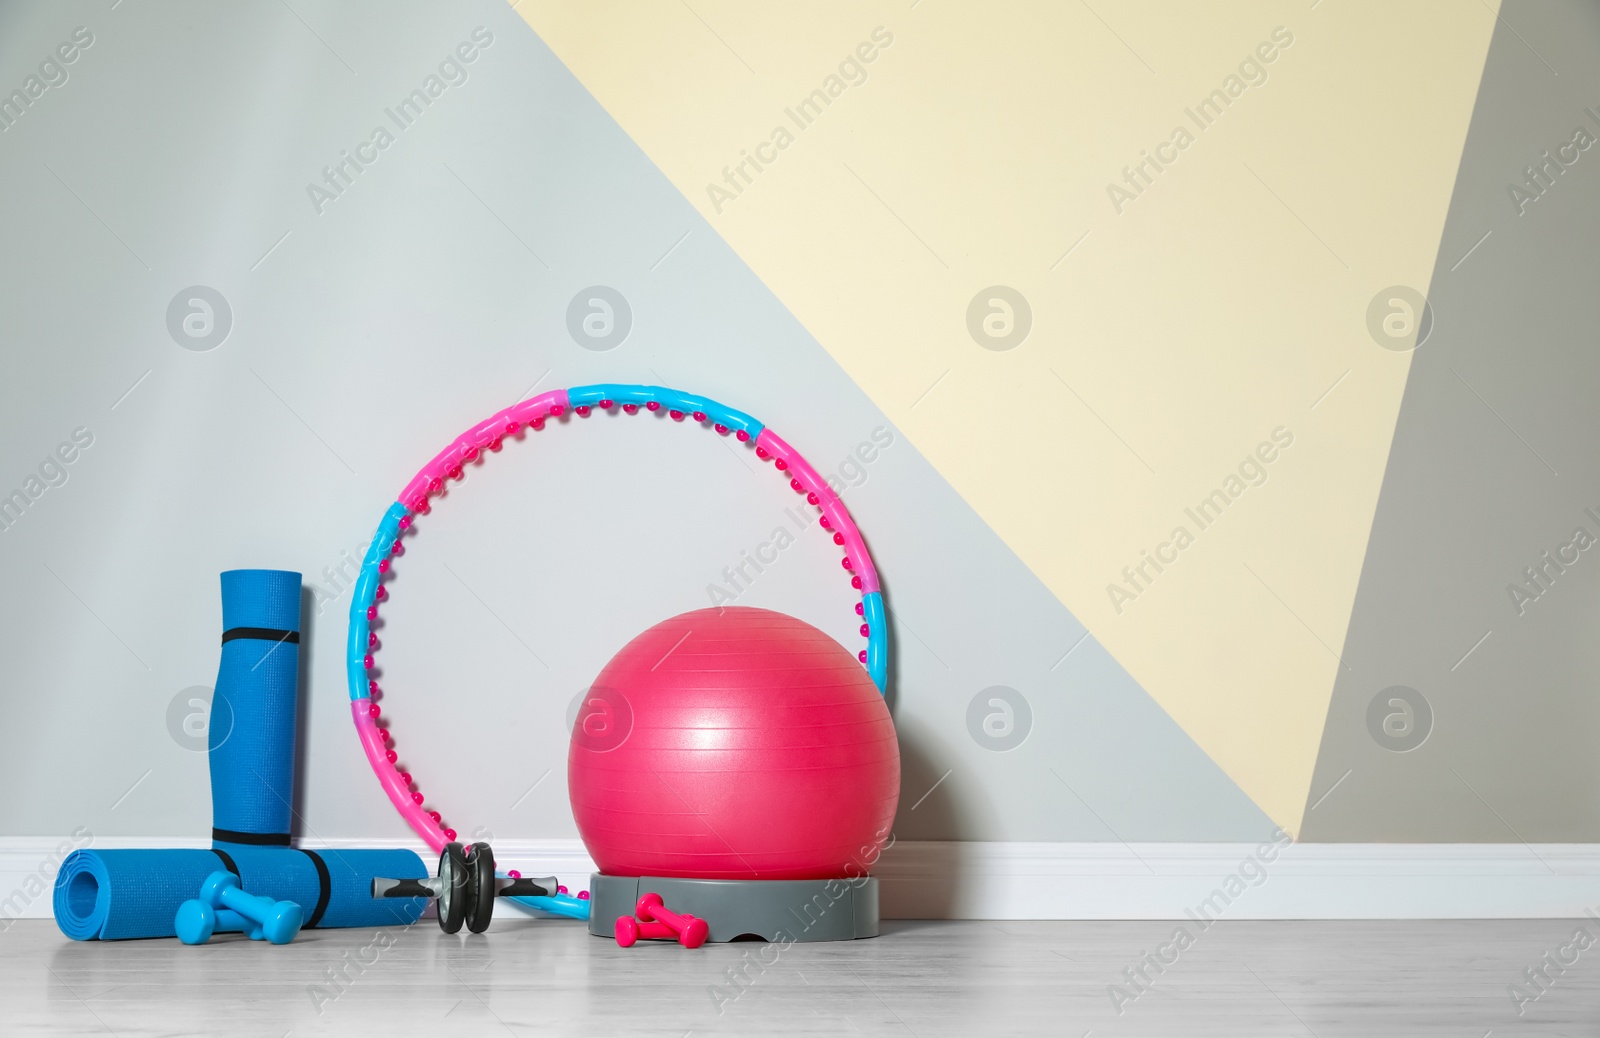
{"x":393,"y":784}
{"x":839,"y":516}
{"x":478,"y":438}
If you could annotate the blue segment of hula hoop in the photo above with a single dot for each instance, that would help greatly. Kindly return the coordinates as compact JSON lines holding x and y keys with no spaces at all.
{"x":622,"y":394}
{"x":672,"y":399}
{"x":877,"y":639}
{"x":365,"y":594}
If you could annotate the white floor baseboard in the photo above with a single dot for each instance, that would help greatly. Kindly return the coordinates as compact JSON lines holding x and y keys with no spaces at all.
{"x":1239,"y":881}
{"x":933,"y":880}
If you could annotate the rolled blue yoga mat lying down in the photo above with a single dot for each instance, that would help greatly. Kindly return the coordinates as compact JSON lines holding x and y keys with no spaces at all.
{"x":116,"y":894}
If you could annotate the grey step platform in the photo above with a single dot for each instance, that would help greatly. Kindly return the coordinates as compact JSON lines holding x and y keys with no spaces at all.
{"x":781,"y":911}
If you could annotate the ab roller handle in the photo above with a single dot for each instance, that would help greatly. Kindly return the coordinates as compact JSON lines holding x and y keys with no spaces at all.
{"x":505,"y":886}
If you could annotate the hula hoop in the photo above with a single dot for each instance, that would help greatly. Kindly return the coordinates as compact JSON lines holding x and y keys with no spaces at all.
{"x":489,"y":435}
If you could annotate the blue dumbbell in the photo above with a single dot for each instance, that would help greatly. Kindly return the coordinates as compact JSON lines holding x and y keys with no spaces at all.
{"x":223,"y":906}
{"x":196,"y":921}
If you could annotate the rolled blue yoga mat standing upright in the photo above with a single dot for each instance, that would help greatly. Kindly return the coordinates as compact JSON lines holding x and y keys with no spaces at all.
{"x":115,"y":894}
{"x":254,"y":708}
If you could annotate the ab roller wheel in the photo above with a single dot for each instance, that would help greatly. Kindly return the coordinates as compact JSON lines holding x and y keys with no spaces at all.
{"x":466,"y":887}
{"x":452,"y":887}
{"x":481,"y":887}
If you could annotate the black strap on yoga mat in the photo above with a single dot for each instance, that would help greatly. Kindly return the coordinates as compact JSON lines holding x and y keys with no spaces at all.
{"x":267,"y":634}
{"x":324,"y":881}
{"x":227,"y":863}
{"x":251,"y":839}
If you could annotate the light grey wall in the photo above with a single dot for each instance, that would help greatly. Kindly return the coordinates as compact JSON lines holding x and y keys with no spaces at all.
{"x":431,"y":293}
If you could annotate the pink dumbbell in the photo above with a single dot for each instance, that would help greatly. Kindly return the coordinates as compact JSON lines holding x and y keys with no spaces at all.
{"x":629,"y":930}
{"x":692,"y":932}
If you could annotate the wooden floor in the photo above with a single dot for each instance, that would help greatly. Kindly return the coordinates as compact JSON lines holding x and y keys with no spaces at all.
{"x":963,"y":979}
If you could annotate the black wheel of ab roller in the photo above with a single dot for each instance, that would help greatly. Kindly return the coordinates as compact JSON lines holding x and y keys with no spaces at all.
{"x":455,"y":879}
{"x":480,"y":887}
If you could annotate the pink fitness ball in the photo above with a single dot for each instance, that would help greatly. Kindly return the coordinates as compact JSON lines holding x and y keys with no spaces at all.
{"x":782,"y":755}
